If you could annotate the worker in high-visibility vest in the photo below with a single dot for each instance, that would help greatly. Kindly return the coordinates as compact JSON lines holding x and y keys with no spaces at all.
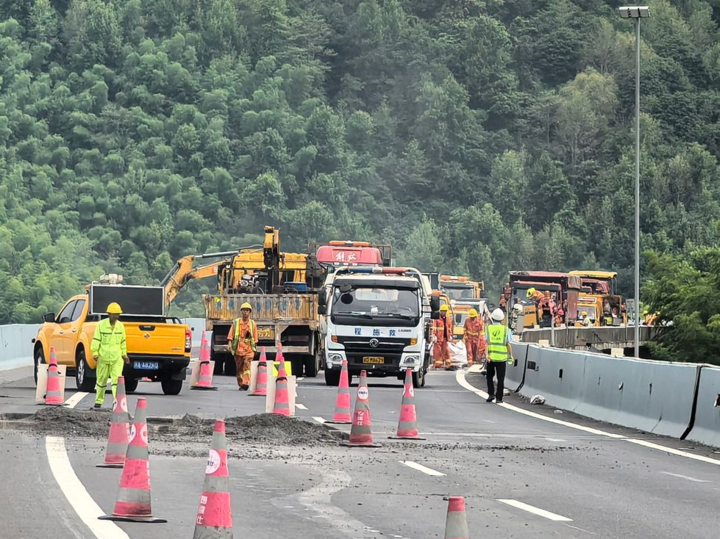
{"x":499,"y":350}
{"x":109,"y":350}
{"x":474,"y":337}
{"x":243,"y":338}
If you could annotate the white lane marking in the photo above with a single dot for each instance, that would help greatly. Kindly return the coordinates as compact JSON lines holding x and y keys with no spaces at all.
{"x":672,"y":451}
{"x":536,"y":511}
{"x":319,"y":420}
{"x":555,"y":440}
{"x":300,"y":406}
{"x":301,"y":379}
{"x":688,"y":478}
{"x":421,"y":468}
{"x":460,"y":377}
{"x":73,"y":401}
{"x":75,"y":492}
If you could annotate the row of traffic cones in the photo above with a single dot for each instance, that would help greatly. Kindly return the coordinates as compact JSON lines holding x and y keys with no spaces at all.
{"x":128,"y":447}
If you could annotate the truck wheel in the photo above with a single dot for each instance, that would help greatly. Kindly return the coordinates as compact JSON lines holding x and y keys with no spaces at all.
{"x":131,"y":385}
{"x":311,"y":368}
{"x":171,"y":387}
{"x":332,"y":378}
{"x":219,"y":360}
{"x":230,"y":368}
{"x":82,"y":379}
{"x":418,"y":378}
{"x":39,"y":360}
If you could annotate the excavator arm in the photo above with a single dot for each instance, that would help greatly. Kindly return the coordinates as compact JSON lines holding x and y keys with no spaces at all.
{"x":184,"y":272}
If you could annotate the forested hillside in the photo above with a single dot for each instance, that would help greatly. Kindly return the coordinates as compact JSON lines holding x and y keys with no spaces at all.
{"x":475,"y":136}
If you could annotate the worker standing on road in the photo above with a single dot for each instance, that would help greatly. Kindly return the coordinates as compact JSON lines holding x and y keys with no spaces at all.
{"x":499,"y":350}
{"x":474,"y":337}
{"x":109,"y":350}
{"x":442,"y":331}
{"x":243,"y":338}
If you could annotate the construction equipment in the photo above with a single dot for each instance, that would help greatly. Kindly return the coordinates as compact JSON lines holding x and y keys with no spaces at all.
{"x":600,"y":293}
{"x":282,"y":289}
{"x":461,"y":288}
{"x":563,"y":290}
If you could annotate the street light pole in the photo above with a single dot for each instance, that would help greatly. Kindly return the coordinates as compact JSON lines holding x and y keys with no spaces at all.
{"x":637,"y":13}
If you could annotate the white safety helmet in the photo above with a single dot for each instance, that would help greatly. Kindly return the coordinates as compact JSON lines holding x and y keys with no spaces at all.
{"x":518,"y":308}
{"x":498,"y":315}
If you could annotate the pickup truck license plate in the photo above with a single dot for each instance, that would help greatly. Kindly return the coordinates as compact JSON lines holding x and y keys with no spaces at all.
{"x":374,"y":360}
{"x":147,"y":365}
{"x":266,"y":333}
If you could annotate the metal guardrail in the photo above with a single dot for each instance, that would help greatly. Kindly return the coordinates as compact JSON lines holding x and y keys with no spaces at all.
{"x":585,"y":338}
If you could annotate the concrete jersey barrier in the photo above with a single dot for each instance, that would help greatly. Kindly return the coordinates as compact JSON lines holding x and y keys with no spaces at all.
{"x":706,"y":427}
{"x":16,"y":348}
{"x":516,"y":369}
{"x":557,"y":375}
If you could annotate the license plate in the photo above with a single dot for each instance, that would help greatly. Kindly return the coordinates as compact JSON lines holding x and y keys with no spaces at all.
{"x":147,"y":365}
{"x":374,"y":360}
{"x":266,"y":333}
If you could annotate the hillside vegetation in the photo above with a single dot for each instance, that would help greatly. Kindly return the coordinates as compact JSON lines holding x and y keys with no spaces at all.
{"x":475,"y":136}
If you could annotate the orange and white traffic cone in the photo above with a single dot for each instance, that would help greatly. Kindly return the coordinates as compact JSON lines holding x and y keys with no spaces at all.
{"x":456,"y":524}
{"x":407,"y":429}
{"x":261,"y":386}
{"x":343,"y":403}
{"x":119,"y":430}
{"x":133,"y":501}
{"x":214,"y":518}
{"x":205,"y":379}
{"x":282,"y":396}
{"x":53,"y":394}
{"x":361,"y":430}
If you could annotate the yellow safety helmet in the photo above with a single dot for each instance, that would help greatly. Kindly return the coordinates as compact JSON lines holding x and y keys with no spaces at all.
{"x":584,"y":313}
{"x":247,"y":306}
{"x":444,"y":308}
{"x":114,"y":308}
{"x":530,"y":292}
{"x":472,"y":313}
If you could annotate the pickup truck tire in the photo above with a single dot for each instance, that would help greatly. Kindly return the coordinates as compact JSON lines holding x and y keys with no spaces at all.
{"x":171,"y":387}
{"x":131,"y":385}
{"x":332,"y":378}
{"x":83,"y":381}
{"x":39,"y":360}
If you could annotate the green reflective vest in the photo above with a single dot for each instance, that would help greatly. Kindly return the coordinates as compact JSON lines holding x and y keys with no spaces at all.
{"x":109,"y":343}
{"x":497,"y":343}
{"x":236,"y":335}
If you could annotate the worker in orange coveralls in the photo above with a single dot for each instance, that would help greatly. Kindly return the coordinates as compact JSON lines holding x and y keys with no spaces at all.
{"x":442,"y":333}
{"x":474,"y":337}
{"x":243,"y":338}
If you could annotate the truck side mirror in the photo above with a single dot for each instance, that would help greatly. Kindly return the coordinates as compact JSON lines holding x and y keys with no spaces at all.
{"x":434,"y":304}
{"x":322,"y":302}
{"x":50,"y":318}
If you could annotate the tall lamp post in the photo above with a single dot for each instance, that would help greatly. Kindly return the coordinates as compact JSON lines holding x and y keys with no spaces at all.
{"x":637,"y":13}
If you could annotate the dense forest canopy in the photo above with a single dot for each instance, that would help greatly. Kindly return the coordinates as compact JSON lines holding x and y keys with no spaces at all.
{"x":477,"y":136}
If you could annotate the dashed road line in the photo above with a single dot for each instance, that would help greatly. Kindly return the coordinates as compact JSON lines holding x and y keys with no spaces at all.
{"x":460,"y":377}
{"x":319,"y":420}
{"x":300,"y":406}
{"x":686,"y":477}
{"x":75,"y":492}
{"x":536,"y":511}
{"x":421,"y":468}
{"x":73,"y":401}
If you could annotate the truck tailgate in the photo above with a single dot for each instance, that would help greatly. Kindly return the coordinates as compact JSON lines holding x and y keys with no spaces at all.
{"x":155,"y":338}
{"x":271,"y":307}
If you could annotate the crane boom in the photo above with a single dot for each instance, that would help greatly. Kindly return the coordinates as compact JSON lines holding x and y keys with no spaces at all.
{"x":183,"y":272}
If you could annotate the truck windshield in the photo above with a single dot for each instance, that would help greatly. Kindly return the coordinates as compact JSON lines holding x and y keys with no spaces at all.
{"x":371,"y":305}
{"x":459,"y":292}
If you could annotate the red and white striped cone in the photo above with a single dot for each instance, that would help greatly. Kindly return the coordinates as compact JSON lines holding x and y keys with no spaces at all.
{"x":133,"y":501}
{"x":456,"y":524}
{"x":343,"y":402}
{"x":282,"y":396}
{"x":53,"y":395}
{"x":119,"y":430}
{"x":205,"y":379}
{"x":407,"y":429}
{"x":361,"y":430}
{"x":261,"y":386}
{"x":214,"y":518}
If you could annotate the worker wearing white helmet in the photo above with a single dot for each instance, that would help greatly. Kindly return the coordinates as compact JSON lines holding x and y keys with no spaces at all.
{"x":498,"y":351}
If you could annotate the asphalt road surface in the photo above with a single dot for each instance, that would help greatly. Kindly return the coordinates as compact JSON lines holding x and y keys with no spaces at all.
{"x":526,"y":471}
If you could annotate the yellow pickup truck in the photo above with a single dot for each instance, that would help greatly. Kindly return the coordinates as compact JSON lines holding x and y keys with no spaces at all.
{"x":158,"y":347}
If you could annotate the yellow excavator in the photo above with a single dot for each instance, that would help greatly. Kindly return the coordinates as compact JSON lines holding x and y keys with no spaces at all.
{"x":281,"y":287}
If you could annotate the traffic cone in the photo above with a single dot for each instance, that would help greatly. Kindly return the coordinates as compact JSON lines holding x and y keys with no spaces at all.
{"x":456,"y":524}
{"x":205,"y":379}
{"x":53,"y":395}
{"x":261,"y":386}
{"x":119,"y":430}
{"x":133,"y":501}
{"x":214,"y":518}
{"x":282,"y":400}
{"x":407,"y":430}
{"x":361,"y":431}
{"x":343,"y":403}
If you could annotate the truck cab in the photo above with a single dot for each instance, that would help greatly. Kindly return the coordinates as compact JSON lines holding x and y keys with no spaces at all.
{"x":378,"y":319}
